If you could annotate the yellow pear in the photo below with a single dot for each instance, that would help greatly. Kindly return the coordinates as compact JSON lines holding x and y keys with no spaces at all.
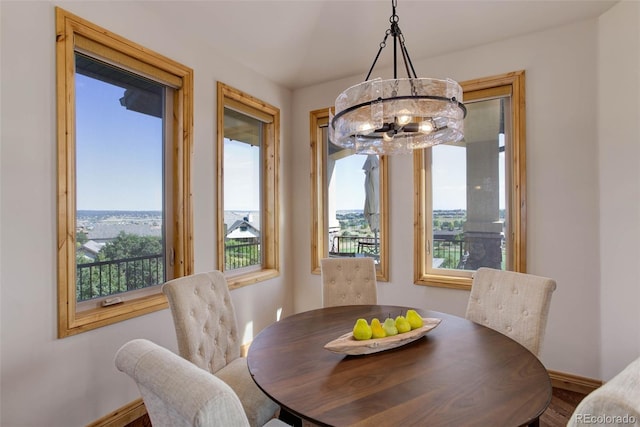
{"x":415,"y":320}
{"x":389,"y":327}
{"x":376,"y":329}
{"x":362,"y":330}
{"x":402,"y":324}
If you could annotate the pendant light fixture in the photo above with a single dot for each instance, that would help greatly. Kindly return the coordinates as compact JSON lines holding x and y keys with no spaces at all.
{"x":396,"y":116}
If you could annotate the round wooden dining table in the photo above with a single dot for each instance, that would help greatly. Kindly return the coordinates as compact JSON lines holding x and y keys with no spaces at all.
{"x":458,"y":374}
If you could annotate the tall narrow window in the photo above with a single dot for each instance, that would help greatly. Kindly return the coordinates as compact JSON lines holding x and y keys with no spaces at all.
{"x":247,"y":187}
{"x":121,"y":233}
{"x":124,"y":118}
{"x":242,"y":182}
{"x":349,"y":201}
{"x":470,"y":206}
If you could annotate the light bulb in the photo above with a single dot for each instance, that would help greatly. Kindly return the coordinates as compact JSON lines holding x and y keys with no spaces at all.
{"x":426,"y":126}
{"x":365,"y":128}
{"x":388,"y":136}
{"x":403,"y":118}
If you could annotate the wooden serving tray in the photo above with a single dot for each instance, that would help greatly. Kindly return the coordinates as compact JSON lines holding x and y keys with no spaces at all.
{"x":347,"y":344}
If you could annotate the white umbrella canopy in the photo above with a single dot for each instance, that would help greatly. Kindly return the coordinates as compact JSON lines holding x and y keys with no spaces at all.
{"x":371,"y":170}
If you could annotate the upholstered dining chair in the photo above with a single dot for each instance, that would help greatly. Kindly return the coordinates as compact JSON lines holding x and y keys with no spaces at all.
{"x":617,"y":402}
{"x":207,"y":333}
{"x":515,"y":304}
{"x":347,"y":281}
{"x":176,"y":393}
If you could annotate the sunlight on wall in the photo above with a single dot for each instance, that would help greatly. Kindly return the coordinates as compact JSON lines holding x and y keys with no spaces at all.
{"x":247,"y":337}
{"x":278,"y":314}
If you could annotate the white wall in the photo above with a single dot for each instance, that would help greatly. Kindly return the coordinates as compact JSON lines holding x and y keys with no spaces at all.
{"x":72,"y":381}
{"x":583,"y":206}
{"x":619,"y":184}
{"x":562,"y":181}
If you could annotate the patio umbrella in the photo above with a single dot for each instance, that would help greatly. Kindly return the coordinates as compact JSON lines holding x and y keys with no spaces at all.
{"x":371,"y":169}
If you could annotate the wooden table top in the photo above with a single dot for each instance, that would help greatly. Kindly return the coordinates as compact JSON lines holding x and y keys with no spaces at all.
{"x":459,"y":374}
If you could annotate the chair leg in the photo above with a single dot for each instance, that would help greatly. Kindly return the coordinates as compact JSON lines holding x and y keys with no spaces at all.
{"x":289,"y":418}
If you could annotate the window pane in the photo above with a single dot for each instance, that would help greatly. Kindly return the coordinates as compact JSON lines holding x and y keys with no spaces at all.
{"x":119,"y":181}
{"x":471,"y":204}
{"x":468,"y":182}
{"x":353,"y":202}
{"x":346,"y":221}
{"x":242,"y":184}
{"x":248,"y":207}
{"x":449,"y":176}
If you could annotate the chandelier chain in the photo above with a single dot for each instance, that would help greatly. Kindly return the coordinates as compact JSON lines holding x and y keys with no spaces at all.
{"x":383,"y":44}
{"x":396,"y":32}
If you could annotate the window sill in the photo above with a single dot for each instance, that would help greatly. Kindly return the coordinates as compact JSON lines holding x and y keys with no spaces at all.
{"x":94,"y":318}
{"x":250,"y":278}
{"x":441,"y":281}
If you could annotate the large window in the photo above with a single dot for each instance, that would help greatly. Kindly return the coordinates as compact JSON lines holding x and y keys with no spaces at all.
{"x":349,"y":196}
{"x":248,"y":135}
{"x":470,"y":202}
{"x":124,"y":221}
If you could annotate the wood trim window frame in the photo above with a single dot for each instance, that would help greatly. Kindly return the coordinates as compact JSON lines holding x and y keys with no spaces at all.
{"x":269,"y":115}
{"x":72,"y":30}
{"x":477,"y":89}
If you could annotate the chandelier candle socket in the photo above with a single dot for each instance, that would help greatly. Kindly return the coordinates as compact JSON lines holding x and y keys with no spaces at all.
{"x":396,"y":116}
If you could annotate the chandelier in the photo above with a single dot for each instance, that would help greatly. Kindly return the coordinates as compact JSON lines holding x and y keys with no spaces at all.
{"x":396,"y":116}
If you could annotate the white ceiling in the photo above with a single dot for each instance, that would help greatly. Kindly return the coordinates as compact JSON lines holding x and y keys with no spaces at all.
{"x":297,"y":43}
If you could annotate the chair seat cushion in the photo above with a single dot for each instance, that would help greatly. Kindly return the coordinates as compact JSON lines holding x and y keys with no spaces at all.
{"x":258,"y":407}
{"x":617,"y":402}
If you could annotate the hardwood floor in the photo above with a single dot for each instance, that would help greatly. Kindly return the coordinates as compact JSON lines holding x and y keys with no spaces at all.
{"x":143,"y":421}
{"x":563,"y":403}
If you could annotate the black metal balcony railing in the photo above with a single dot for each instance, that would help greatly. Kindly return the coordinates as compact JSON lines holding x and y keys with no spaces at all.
{"x":448,"y":253}
{"x":104,"y":278}
{"x":454,"y":254}
{"x":238,"y":255}
{"x":352,"y":245}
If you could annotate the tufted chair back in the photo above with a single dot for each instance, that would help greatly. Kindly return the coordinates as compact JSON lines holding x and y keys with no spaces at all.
{"x":177,"y":393}
{"x":204,"y":319}
{"x":515,"y":304}
{"x":207,"y":333}
{"x":347,"y":281}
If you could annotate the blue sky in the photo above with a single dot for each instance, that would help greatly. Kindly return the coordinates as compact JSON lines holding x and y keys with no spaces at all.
{"x":350,"y":177}
{"x":241,"y":179}
{"x":118,"y":167}
{"x":449,"y":171}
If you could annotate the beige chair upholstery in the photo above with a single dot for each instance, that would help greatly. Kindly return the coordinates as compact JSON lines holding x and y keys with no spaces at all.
{"x":207,"y":332}
{"x":515,"y":304}
{"x":347,"y":281}
{"x":176,"y":393}
{"x":617,"y":402}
